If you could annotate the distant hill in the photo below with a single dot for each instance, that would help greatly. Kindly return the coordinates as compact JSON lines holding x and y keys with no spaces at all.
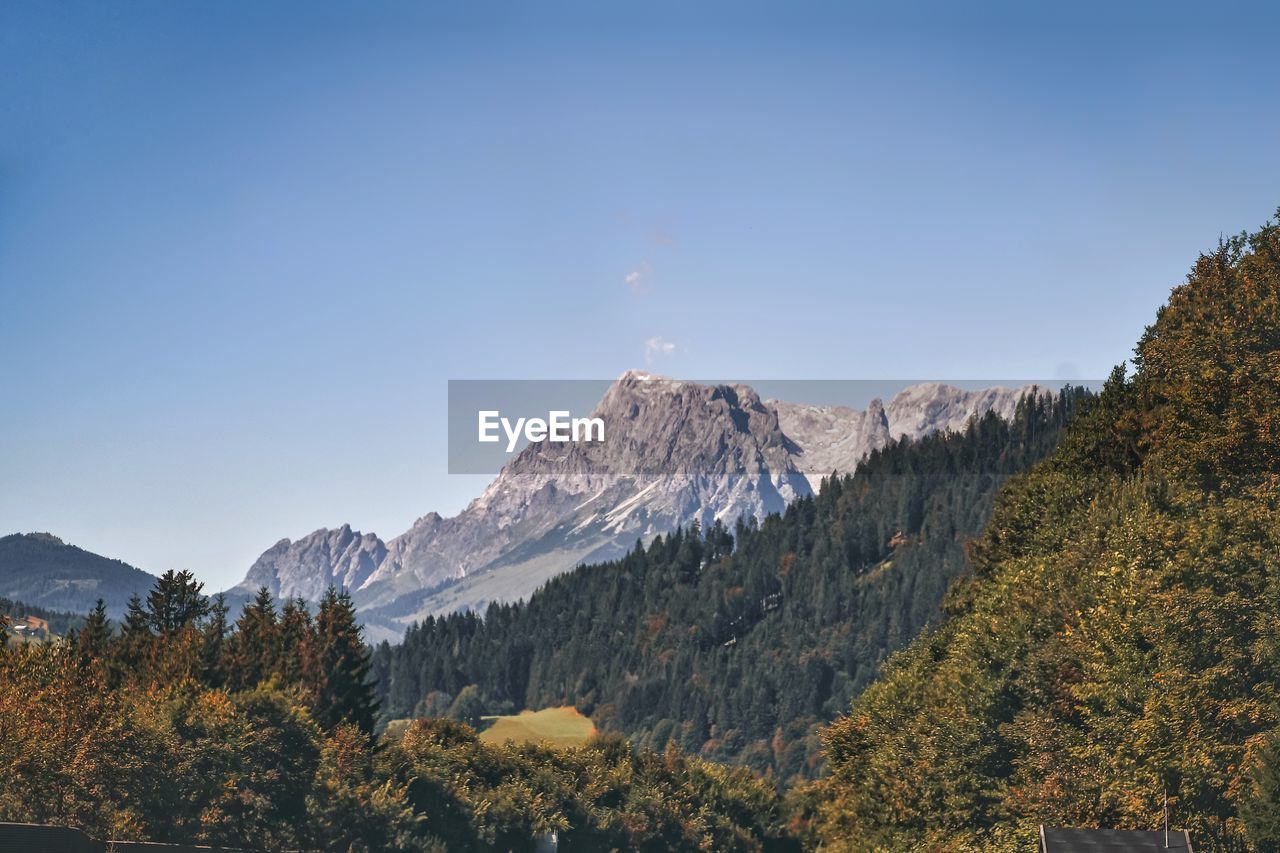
{"x":41,"y":570}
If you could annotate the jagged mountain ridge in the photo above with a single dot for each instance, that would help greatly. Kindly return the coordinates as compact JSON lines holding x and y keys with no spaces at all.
{"x":675,"y":451}
{"x":342,"y":557}
{"x":837,"y":438}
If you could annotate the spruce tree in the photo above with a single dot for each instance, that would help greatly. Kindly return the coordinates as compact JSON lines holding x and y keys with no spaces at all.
{"x":94,"y":639}
{"x":256,"y":643}
{"x":297,"y":642}
{"x":342,"y":689}
{"x":214,"y":650}
{"x":136,"y":621}
{"x":133,"y":648}
{"x":175,"y":602}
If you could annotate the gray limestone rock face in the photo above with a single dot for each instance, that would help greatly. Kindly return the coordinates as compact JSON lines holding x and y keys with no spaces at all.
{"x":674,"y":452}
{"x":342,"y":558}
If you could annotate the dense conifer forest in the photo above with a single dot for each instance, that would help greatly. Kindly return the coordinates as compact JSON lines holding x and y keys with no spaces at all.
{"x":737,"y":643}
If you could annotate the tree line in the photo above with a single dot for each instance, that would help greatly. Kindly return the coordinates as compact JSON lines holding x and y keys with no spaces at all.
{"x":182,"y":726}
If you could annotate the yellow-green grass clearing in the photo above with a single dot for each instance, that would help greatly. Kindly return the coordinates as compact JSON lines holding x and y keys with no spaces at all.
{"x":556,"y":726}
{"x":396,"y":730}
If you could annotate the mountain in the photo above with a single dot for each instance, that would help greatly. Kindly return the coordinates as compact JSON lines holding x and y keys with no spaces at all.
{"x":40,"y":569}
{"x":738,"y":641}
{"x":675,"y":452}
{"x":838,"y":438}
{"x":1116,"y":651}
{"x":343,"y":558}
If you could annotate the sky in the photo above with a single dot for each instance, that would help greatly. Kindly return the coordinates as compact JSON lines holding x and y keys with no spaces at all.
{"x":245,"y":246}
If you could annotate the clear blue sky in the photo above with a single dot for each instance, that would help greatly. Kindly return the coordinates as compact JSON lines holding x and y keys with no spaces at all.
{"x":243,"y":246}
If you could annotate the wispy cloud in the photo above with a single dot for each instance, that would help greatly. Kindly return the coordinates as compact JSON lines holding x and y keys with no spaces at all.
{"x":637,"y":278}
{"x":657,"y":348}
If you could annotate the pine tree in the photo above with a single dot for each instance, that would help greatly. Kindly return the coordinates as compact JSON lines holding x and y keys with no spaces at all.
{"x":256,"y":643}
{"x":132,"y":649}
{"x":94,"y":639}
{"x":215,"y":643}
{"x":297,"y":642}
{"x":136,"y":622}
{"x":175,"y":602}
{"x":342,"y":690}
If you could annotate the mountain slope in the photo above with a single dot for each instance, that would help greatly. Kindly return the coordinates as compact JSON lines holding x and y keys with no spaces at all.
{"x":1119,"y":638}
{"x":739,"y":642}
{"x":60,"y":623}
{"x":40,"y":569}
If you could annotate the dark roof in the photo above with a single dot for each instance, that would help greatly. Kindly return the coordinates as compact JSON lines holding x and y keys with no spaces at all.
{"x":1111,"y":841}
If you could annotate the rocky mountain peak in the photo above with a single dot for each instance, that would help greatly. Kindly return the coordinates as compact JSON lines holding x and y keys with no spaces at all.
{"x":340,"y":557}
{"x":674,"y":451}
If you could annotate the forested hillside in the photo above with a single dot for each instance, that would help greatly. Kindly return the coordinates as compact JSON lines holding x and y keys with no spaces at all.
{"x":1119,"y":637}
{"x":41,"y":570}
{"x":737,"y":643}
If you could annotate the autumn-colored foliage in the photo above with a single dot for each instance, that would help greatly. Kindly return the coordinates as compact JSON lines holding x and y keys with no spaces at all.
{"x":184,"y":728}
{"x":1119,"y":637}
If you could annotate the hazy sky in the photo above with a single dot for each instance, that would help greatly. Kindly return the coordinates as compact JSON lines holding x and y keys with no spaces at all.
{"x":243,"y":247}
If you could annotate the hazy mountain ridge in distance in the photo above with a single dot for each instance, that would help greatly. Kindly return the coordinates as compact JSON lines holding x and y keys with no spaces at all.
{"x":675,"y":452}
{"x":837,"y":438}
{"x":40,"y":569}
{"x":342,"y":558}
